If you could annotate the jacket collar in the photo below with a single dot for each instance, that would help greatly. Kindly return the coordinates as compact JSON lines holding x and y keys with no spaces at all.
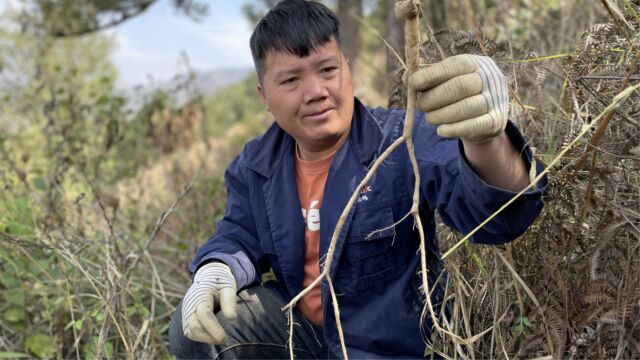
{"x":365,"y":136}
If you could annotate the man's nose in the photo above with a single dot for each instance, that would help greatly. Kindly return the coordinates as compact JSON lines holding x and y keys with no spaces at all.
{"x":315,"y":90}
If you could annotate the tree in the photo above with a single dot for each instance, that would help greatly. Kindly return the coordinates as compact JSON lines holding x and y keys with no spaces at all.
{"x":437,"y":13}
{"x":63,"y":18}
{"x":394,"y":34}
{"x":255,"y":10}
{"x":349,"y":13}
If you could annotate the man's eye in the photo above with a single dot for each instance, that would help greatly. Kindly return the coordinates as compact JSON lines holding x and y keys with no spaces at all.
{"x":329,"y":69}
{"x":289,"y":80}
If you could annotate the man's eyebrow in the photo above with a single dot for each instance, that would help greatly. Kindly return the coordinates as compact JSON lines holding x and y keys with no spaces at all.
{"x":288,"y":72}
{"x":331,"y":58}
{"x":295,"y":71}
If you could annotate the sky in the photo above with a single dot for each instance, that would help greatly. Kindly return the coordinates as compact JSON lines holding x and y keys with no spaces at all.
{"x":149,"y":46}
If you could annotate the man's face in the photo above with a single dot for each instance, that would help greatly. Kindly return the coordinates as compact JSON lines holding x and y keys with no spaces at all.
{"x":311,"y":98}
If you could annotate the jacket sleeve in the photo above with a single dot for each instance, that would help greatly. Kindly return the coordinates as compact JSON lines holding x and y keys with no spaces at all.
{"x":235,"y":241}
{"x":462,"y":198}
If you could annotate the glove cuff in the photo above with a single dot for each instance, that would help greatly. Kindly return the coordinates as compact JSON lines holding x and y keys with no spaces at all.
{"x":494,"y":84}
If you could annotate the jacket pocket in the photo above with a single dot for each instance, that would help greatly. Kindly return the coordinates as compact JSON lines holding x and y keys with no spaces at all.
{"x":266,"y":241}
{"x":372,"y":233}
{"x":369,"y":258}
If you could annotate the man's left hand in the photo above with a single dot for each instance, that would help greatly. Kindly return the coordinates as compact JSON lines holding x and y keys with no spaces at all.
{"x":465,"y":96}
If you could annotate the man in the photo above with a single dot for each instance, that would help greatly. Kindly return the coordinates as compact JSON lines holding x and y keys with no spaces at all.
{"x":321,"y":145}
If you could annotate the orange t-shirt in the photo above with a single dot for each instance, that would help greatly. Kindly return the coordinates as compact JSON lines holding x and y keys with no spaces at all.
{"x":311,"y":177}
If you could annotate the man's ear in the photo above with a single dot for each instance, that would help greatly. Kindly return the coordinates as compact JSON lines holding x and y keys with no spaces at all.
{"x":264,"y":99}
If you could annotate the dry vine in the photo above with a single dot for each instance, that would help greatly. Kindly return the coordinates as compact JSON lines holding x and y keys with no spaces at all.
{"x":407,"y":10}
{"x":588,"y":230}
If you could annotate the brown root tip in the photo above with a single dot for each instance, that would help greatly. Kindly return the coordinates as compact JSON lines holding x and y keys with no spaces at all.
{"x":407,"y":9}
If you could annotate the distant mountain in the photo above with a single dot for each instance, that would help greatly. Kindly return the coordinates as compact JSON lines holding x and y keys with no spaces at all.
{"x":183,"y":89}
{"x":206,"y":83}
{"x":210,"y":82}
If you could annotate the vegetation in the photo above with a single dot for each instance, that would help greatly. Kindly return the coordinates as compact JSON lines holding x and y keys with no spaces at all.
{"x":102,"y":207}
{"x":92,"y":252}
{"x":569,"y":287}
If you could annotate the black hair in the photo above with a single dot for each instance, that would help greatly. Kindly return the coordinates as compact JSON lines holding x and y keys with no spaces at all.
{"x":294,"y":26}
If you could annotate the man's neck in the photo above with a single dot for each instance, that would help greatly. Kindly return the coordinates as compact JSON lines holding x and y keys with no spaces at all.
{"x":314,"y":154}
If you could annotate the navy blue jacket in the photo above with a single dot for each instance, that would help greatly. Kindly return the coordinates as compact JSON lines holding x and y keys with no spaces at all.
{"x":376,"y":277}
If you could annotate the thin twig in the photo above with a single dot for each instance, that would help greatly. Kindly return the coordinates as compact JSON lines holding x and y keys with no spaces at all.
{"x":377,"y":33}
{"x":72,"y":259}
{"x":595,"y":139}
{"x":104,"y":214}
{"x":164,"y":216}
{"x":342,"y":220}
{"x":291,"y":333}
{"x":336,"y":311}
{"x":407,"y":10}
{"x":617,"y":101}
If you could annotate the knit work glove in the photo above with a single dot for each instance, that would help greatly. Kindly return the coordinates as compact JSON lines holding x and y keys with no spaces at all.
{"x":212,"y":285}
{"x":465,"y":95}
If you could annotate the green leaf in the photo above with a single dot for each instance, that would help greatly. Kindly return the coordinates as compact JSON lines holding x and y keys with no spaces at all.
{"x":76,"y":324}
{"x":14,"y":314}
{"x":41,"y":345}
{"x":137,"y":296}
{"x":427,"y":351}
{"x":56,"y":272}
{"x":90,"y":349}
{"x":163,"y":329}
{"x":15,"y":296}
{"x":21,"y":204}
{"x":9,"y":281}
{"x":518,"y":328}
{"x":12,"y":355}
{"x":143,"y":311}
{"x":16,"y":228}
{"x":476,"y":259}
{"x":42,"y":264}
{"x":522,"y":322}
{"x":40,"y":183}
{"x":108,"y":350}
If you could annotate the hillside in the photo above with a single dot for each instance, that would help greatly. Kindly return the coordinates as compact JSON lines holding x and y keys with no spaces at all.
{"x":107,"y":194}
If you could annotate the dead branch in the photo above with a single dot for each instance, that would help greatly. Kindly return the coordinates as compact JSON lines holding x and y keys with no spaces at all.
{"x":407,"y":10}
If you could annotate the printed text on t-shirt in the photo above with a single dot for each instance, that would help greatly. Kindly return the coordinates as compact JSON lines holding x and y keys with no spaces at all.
{"x":312,"y":216}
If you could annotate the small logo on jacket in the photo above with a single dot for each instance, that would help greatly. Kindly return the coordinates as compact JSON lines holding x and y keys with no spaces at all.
{"x":363,"y":193}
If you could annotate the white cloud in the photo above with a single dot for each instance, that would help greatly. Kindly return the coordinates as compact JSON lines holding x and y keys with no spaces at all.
{"x":153,"y":42}
{"x":136,"y":63}
{"x":226,"y":43}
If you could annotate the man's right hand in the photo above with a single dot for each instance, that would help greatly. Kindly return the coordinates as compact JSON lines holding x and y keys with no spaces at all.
{"x":213,"y":284}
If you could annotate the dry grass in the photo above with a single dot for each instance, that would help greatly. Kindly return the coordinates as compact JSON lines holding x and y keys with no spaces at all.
{"x":104,"y":281}
{"x":100,"y":274}
{"x":569,"y":288}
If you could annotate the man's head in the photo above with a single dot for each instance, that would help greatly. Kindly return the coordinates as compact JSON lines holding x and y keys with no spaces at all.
{"x":305,"y":80}
{"x":293,"y":26}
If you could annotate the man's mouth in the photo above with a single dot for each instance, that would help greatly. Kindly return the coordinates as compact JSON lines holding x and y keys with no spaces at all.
{"x":318,"y":115}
